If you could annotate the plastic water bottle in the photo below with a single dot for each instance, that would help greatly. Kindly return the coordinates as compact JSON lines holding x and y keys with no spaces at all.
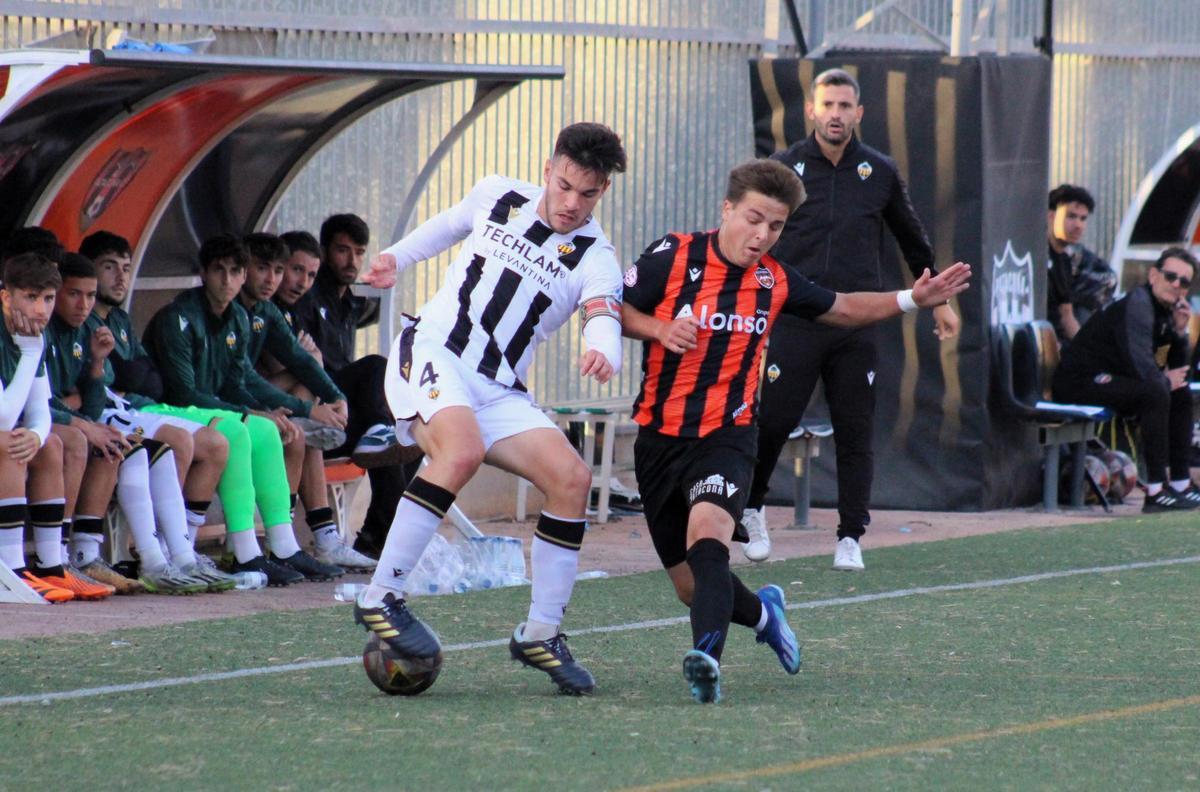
{"x":348,"y":592}
{"x":250,"y":580}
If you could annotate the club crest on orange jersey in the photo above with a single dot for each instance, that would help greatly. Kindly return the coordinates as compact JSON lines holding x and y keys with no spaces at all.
{"x":764,"y":277}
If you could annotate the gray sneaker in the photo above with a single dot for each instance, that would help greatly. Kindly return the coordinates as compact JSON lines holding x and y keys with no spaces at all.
{"x":378,"y":447}
{"x":321,"y":436}
{"x":206,"y":569}
{"x":170,"y":580}
{"x":346,"y":557}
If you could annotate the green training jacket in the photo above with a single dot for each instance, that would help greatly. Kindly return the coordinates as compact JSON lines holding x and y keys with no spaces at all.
{"x":130,"y":357}
{"x":202,"y":356}
{"x":269,"y":330}
{"x":68,"y":360}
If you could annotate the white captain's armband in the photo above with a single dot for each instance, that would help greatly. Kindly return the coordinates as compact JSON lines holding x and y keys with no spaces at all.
{"x":608,"y":305}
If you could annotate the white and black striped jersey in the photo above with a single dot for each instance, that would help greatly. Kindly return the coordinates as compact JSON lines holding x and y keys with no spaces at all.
{"x":514,"y":282}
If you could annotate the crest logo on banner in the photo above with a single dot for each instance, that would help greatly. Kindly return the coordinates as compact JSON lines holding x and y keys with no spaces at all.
{"x":1012,"y":287}
{"x":114,"y":177}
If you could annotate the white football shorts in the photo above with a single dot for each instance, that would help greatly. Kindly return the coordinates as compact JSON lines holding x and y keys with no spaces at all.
{"x":424,"y":377}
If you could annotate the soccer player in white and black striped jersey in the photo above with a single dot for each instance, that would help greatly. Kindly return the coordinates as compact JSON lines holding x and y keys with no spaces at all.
{"x":531,"y":256}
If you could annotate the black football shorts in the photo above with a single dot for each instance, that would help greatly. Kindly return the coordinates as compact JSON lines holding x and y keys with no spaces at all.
{"x":674,"y":473}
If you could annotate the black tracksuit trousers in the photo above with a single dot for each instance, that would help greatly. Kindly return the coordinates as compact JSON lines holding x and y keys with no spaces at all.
{"x":1165,"y":416}
{"x":801,"y":351}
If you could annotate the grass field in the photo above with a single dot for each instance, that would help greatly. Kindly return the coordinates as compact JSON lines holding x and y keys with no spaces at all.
{"x":1085,"y":680}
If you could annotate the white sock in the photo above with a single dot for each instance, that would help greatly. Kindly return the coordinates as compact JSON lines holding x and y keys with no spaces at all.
{"x":133,"y":495}
{"x":1153,"y":488}
{"x":47,"y":542}
{"x":534,"y":630}
{"x":327,"y":537}
{"x":46,"y":517}
{"x":194,"y":521}
{"x":85,"y":547}
{"x":412,"y":528}
{"x":12,"y":546}
{"x":1181,"y":484}
{"x":244,"y":545}
{"x":282,"y":540}
{"x":553,"y":573}
{"x":169,"y":511}
{"x":762,"y":621}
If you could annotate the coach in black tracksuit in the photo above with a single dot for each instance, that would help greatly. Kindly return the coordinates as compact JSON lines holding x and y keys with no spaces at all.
{"x":1133,"y":357}
{"x":835,"y":239}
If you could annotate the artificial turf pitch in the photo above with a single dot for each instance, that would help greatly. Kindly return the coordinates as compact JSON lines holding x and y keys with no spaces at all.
{"x":1086,"y":681}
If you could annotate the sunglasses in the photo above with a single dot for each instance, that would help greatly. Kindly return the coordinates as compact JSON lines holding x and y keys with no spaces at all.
{"x":1171,"y":277}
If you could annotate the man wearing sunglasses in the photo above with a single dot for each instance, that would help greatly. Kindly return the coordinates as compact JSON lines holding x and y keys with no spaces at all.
{"x":1133,"y":357}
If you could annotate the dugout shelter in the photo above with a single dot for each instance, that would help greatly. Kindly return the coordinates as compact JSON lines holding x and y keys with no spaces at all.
{"x":168,"y":149}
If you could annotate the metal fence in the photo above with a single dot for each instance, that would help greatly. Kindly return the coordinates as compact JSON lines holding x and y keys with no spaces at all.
{"x":671,"y":77}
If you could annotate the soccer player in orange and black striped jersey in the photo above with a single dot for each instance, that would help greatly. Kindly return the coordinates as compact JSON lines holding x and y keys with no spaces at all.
{"x":704,"y":304}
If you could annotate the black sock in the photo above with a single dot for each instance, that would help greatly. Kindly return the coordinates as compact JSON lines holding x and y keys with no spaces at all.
{"x":747,"y":607}
{"x":319,"y":518}
{"x":712,"y":599}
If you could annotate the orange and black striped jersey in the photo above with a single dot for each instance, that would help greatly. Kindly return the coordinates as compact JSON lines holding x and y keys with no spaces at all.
{"x":715,"y":384}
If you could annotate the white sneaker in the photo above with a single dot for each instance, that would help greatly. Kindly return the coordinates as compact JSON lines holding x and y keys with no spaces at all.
{"x":347,"y":557}
{"x":759,"y":546}
{"x":848,"y":556}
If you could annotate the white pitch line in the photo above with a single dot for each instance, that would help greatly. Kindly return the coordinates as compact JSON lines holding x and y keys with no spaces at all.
{"x":155,"y":684}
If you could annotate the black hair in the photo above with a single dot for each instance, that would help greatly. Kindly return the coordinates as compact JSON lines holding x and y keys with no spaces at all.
{"x":223,"y":246}
{"x":96,"y":245}
{"x":351,"y":225}
{"x":301,"y":240}
{"x":34,"y":239}
{"x":592,"y":147}
{"x":76,"y":265}
{"x":1177,"y":252}
{"x":835,"y":77}
{"x":266,"y":247}
{"x":1070,"y":193}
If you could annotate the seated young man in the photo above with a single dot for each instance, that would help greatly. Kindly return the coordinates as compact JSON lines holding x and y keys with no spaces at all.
{"x":31,"y":458}
{"x":331,"y":313}
{"x":198,"y":342}
{"x":704,"y":304}
{"x":313,"y":396}
{"x":147,"y":486}
{"x":134,"y":384}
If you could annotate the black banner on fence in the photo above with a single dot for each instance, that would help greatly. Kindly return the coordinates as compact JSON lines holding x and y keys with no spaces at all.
{"x":971,"y":138}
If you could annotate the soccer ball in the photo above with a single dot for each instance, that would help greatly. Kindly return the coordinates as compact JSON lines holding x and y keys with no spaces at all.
{"x":1122,"y":474}
{"x":399,"y":675}
{"x":1099,"y":472}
